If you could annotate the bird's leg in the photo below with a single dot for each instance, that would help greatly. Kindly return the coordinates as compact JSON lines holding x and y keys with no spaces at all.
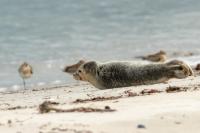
{"x":24,"y":84}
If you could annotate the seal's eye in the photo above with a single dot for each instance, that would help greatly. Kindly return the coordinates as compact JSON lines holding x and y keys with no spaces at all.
{"x":79,"y":71}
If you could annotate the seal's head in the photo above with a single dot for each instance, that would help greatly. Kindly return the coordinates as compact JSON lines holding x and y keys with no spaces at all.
{"x":86,"y":72}
{"x":73,"y":68}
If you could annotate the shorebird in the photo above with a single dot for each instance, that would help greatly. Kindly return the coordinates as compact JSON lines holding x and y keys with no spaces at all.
{"x":161,"y":56}
{"x":25,"y":70}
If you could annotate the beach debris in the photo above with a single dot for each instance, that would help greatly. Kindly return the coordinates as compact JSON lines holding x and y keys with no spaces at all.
{"x":58,"y":129}
{"x":9,"y":122}
{"x":1,"y":124}
{"x":41,"y":89}
{"x":47,"y":107}
{"x":177,"y":122}
{"x":95,"y":99}
{"x":197,"y":67}
{"x":149,"y":91}
{"x":107,"y":107}
{"x":26,"y":71}
{"x":115,"y":101}
{"x":19,"y":107}
{"x":16,"y":107}
{"x":141,"y":126}
{"x":130,"y":94}
{"x":171,"y":89}
{"x":196,"y":88}
{"x":73,"y":68}
{"x":160,"y":56}
{"x":127,"y":93}
{"x":90,"y":95}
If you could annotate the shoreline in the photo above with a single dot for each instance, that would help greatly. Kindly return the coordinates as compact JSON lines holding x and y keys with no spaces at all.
{"x":64,"y":78}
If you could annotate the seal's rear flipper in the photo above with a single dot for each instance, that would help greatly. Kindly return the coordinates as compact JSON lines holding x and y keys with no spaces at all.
{"x":181,"y":69}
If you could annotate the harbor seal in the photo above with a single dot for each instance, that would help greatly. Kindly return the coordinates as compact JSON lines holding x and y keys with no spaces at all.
{"x":124,"y":74}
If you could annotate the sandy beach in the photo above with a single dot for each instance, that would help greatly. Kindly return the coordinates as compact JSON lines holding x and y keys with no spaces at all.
{"x":169,"y":107}
{"x":49,"y":47}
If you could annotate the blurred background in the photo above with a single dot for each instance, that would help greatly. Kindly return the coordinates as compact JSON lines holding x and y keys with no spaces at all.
{"x":50,"y":34}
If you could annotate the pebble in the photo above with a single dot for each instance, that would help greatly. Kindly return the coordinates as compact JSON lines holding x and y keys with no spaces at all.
{"x":141,"y":126}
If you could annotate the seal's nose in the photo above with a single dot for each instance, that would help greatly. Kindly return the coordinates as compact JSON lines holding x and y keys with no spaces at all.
{"x":66,"y":69}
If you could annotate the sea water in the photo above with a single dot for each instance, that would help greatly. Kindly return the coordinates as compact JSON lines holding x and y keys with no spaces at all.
{"x":49,"y":34}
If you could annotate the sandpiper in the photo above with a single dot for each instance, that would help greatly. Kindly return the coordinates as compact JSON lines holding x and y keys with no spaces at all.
{"x":25,"y":70}
{"x":161,"y":56}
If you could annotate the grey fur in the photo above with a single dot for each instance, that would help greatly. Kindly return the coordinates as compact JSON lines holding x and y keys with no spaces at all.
{"x":124,"y":74}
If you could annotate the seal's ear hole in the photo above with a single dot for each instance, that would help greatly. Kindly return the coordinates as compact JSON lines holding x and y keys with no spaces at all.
{"x":79,"y":71}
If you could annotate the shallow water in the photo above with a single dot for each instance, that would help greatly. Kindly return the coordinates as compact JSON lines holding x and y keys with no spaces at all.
{"x":50,"y":34}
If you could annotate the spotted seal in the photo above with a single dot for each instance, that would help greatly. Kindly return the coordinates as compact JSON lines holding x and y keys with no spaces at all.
{"x":124,"y":74}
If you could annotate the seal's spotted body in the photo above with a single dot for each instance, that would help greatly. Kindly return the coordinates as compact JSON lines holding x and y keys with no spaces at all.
{"x":124,"y":74}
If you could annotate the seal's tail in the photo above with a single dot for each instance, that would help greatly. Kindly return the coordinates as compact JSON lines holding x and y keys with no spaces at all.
{"x":180,"y":69}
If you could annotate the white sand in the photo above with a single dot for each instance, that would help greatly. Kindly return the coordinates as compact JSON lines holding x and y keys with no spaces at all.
{"x":159,"y":112}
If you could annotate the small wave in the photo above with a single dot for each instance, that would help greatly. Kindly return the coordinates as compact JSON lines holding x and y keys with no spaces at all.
{"x":3,"y":89}
{"x":56,"y":82}
{"x":15,"y":87}
{"x":49,"y":65}
{"x":62,"y":67}
{"x":41,"y":83}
